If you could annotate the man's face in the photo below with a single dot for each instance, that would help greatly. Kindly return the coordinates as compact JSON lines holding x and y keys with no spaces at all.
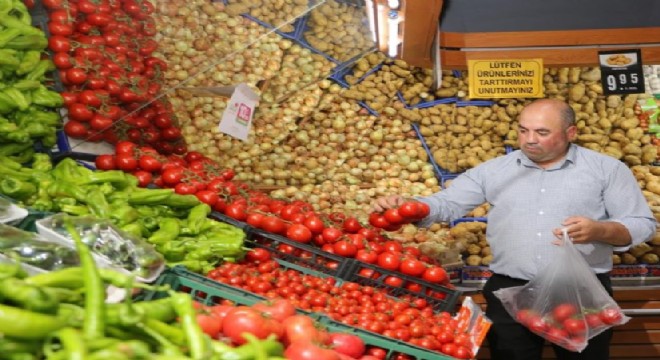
{"x":542,"y":135}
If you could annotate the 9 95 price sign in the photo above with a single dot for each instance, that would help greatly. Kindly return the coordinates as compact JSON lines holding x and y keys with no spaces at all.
{"x":621,"y":72}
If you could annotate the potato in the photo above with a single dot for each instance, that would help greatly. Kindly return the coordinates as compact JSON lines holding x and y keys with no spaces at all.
{"x":473,"y":260}
{"x":650,"y":259}
{"x":639,"y":250}
{"x":628,"y":259}
{"x":616,"y":259}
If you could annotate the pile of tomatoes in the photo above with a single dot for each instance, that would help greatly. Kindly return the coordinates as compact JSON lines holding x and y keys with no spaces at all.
{"x":103,"y":51}
{"x":406,"y":318}
{"x":567,"y":325}
{"x":302,"y":337}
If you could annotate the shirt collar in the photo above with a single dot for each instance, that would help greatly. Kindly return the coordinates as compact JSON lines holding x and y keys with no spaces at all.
{"x":569,"y":159}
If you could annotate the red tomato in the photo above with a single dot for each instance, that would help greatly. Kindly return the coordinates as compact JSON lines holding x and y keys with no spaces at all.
{"x":126,"y":162}
{"x":185,"y":188}
{"x":277,"y":309}
{"x":462,"y":352}
{"x":173,"y":176}
{"x":149,"y":163}
{"x":556,"y":335}
{"x":389,"y":261}
{"x":125,"y":147}
{"x":75,"y":129}
{"x":105,"y":162}
{"x":409,"y":210}
{"x":563,"y":311}
{"x":435,"y":274}
{"x":393,"y":217}
{"x":593,"y":320}
{"x":575,"y":327}
{"x":412,"y":267}
{"x":611,"y":316}
{"x":245,"y":319}
{"x":331,"y":234}
{"x":238,"y":211}
{"x":303,"y":328}
{"x":306,"y":350}
{"x":347,"y":344}
{"x":80,"y":112}
{"x":344,"y":248}
{"x":207,"y":196}
{"x":273,"y":224}
{"x":352,"y":225}
{"x":209,"y":324}
{"x":299,"y":233}
{"x":144,"y":177}
{"x":314,"y":224}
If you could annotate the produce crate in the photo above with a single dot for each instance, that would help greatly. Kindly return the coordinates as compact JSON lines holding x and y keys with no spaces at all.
{"x":446,"y":301}
{"x":216,"y":215}
{"x":339,"y":76}
{"x":209,"y":292}
{"x":309,"y":256}
{"x":475,"y":274}
{"x":468,"y":219}
{"x":439,"y":172}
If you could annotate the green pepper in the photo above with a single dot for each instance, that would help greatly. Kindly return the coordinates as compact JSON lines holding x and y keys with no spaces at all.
{"x":24,"y":324}
{"x":181,"y":201}
{"x":168,"y":337}
{"x":149,"y":223}
{"x":19,"y":99}
{"x":197,"y":216}
{"x":94,"y":322}
{"x":116,"y":177}
{"x":168,"y":231}
{"x":140,"y":196}
{"x":134,"y":228}
{"x":76,"y":210}
{"x":123,"y":214}
{"x":198,"y":343}
{"x":44,"y":97}
{"x":7,"y":35}
{"x":13,"y":148}
{"x":8,"y":58}
{"x":7,"y":105}
{"x":196,"y":266}
{"x":17,"y":188}
{"x":172,"y":251}
{"x":73,"y":344}
{"x":63,"y":189}
{"x":29,"y":62}
{"x":39,"y":71}
{"x":36,"y":41}
{"x":41,"y":162}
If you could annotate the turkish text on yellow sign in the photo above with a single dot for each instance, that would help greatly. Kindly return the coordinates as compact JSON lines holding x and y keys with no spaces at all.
{"x":510,"y":78}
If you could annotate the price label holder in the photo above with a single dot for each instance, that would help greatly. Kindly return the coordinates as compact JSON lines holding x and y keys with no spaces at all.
{"x":621,"y":71}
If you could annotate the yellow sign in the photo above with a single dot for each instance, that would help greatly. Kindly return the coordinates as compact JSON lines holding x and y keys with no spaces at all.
{"x":511,"y":78}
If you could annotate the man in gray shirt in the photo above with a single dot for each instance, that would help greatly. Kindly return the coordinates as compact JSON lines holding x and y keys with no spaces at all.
{"x":533,"y":193}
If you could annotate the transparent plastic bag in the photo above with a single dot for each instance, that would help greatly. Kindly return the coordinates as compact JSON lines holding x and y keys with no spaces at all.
{"x":565,"y":304}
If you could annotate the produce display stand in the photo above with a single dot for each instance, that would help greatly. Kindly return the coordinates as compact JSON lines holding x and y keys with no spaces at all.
{"x":209,"y":292}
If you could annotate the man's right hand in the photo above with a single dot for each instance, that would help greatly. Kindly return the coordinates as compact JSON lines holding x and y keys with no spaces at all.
{"x":387,"y":202}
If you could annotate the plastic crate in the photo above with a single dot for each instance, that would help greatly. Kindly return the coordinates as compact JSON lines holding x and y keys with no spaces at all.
{"x":308,"y":256}
{"x":209,"y":292}
{"x":215,"y":215}
{"x":468,"y":219}
{"x":449,"y":296}
{"x":439,"y":172}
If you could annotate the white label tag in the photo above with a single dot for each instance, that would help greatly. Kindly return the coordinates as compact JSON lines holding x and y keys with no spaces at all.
{"x":237,"y":117}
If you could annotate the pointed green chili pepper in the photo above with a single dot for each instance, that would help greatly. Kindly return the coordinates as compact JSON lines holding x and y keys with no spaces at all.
{"x":7,"y":35}
{"x":140,"y":196}
{"x":27,"y":296}
{"x":41,"y":162}
{"x":123,"y":214}
{"x":39,"y":71}
{"x":29,"y":62}
{"x":8,"y":57}
{"x":35,"y":41}
{"x":24,"y":324}
{"x":44,"y":97}
{"x":168,"y":231}
{"x":94,"y":322}
{"x":17,"y":188}
{"x":19,"y":99}
{"x":197,"y":217}
{"x":198,"y":342}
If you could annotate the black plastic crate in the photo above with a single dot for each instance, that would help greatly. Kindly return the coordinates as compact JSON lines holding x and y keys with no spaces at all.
{"x":441,"y":298}
{"x":305,"y":255}
{"x":468,"y":219}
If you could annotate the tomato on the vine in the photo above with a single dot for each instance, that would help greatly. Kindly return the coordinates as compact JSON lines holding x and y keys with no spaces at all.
{"x":105,"y":162}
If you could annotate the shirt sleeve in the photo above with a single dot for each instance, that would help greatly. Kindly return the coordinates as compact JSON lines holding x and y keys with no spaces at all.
{"x":464,"y":194}
{"x":625,"y":203}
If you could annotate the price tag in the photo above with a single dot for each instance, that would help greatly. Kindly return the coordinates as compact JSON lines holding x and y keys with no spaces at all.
{"x":621,"y":72}
{"x":237,"y":117}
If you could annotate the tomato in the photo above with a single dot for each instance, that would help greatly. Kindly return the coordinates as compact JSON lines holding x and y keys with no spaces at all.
{"x":556,"y":335}
{"x":53,"y":4}
{"x":100,"y":122}
{"x":423,"y":210}
{"x":436,"y":275}
{"x":144,"y":177}
{"x":523,"y":316}
{"x":449,"y":348}
{"x":59,"y":43}
{"x":306,"y":350}
{"x":299,"y":233}
{"x":126,"y":163}
{"x":303,"y":327}
{"x":171,"y":133}
{"x":537,"y":324}
{"x":389,"y":261}
{"x":445,"y":337}
{"x":412,"y":267}
{"x":105,"y":162}
{"x":62,"y":29}
{"x":150,"y":163}
{"x":393,"y":281}
{"x":367,"y":256}
{"x":238,"y":211}
{"x":276,"y":309}
{"x":75,"y":129}
{"x":208,"y":197}
{"x":344,"y":248}
{"x":409,"y":210}
{"x":393,"y":217}
{"x":352,"y":225}
{"x":219,"y":311}
{"x":593,"y":320}
{"x":331,"y":234}
{"x":125,"y":147}
{"x":563,"y":311}
{"x":245,"y":319}
{"x":258,"y":254}
{"x":76,"y":76}
{"x":185,"y":188}
{"x":575,"y":327}
{"x":209,"y":324}
{"x":611,"y":316}
{"x":347,"y":344}
{"x":314,"y":224}
{"x":462,"y":352}
{"x":172,"y":176}
{"x":80,"y":112}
